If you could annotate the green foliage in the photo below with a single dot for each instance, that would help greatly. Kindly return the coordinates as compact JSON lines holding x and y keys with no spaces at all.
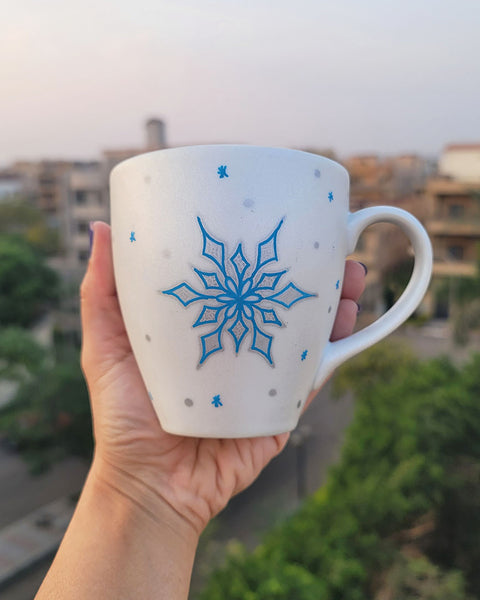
{"x":257,"y":577}
{"x":50,"y":416}
{"x":20,"y":354}
{"x":395,"y":280}
{"x":22,"y":218}
{"x":412,"y":450}
{"x":380,"y":365}
{"x":27,"y":285}
{"x":464,"y":294}
{"x":419,"y":578}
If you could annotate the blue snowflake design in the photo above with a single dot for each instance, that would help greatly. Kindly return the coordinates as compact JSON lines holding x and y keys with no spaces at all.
{"x":239,"y":297}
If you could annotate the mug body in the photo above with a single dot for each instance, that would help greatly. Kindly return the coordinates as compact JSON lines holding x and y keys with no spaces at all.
{"x":229,"y":263}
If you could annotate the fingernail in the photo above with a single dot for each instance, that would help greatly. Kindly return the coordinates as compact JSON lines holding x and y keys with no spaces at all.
{"x":90,"y":236}
{"x":364,"y":266}
{"x":359,"y":307}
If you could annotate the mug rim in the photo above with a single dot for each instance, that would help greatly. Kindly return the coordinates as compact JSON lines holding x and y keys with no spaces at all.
{"x":202,"y":147}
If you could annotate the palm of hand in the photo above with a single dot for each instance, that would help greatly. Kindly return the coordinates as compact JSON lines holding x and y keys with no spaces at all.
{"x":196,"y":476}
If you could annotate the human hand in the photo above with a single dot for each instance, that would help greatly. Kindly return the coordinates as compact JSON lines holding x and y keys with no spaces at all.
{"x":190,"y":477}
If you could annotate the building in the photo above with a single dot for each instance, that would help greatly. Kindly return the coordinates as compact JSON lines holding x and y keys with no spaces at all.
{"x":71,"y":194}
{"x":11,"y":185}
{"x":453,"y":222}
{"x":394,"y":181}
{"x":461,"y":162}
{"x":44,"y":183}
{"x":86,"y":200}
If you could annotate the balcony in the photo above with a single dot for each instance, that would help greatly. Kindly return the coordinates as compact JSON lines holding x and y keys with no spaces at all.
{"x":454,"y":227}
{"x":90,"y":212}
{"x":452,"y":268}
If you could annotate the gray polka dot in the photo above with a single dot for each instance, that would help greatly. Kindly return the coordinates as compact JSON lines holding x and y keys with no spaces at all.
{"x":329,"y":309}
{"x":316,"y":245}
{"x":272,"y":392}
{"x":248,"y":203}
{"x":166,"y":253}
{"x":299,"y":404}
{"x":317,"y":172}
{"x":148,"y":338}
{"x":188,"y":402}
{"x":147,"y":179}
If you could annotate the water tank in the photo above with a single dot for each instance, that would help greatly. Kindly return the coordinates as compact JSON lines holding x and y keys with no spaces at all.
{"x":156,"y":138}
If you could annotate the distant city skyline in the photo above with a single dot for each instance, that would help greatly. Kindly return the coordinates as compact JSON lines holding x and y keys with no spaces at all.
{"x":371,"y":77}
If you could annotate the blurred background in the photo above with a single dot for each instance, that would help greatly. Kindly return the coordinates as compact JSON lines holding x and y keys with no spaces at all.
{"x":377,"y":494}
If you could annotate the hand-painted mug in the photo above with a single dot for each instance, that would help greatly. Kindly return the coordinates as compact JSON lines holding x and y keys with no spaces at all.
{"x":229,"y":263}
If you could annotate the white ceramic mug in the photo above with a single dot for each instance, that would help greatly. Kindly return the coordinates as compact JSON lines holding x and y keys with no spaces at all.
{"x":229,"y":264}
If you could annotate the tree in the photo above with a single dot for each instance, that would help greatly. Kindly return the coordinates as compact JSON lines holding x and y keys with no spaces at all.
{"x":28,"y":287}
{"x":49,"y":418}
{"x":49,"y":415}
{"x":412,"y":578}
{"x":395,"y":280}
{"x":23,"y":219}
{"x":409,"y":473}
{"x":20,"y":354}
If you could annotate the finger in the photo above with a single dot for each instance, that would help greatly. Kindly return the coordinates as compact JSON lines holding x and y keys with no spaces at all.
{"x":99,"y":280}
{"x":353,"y":287}
{"x":345,"y":320}
{"x":354,"y":280}
{"x":343,"y":327}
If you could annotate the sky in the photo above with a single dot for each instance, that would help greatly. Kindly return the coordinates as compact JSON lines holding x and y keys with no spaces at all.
{"x":359,"y":77}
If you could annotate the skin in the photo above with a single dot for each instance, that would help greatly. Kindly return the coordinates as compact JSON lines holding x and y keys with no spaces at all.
{"x":149,"y":494}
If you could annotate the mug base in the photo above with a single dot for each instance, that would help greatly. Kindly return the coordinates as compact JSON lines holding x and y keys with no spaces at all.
{"x":224,"y":433}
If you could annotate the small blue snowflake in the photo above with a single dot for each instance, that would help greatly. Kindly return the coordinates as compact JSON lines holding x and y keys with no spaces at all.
{"x":132,"y":237}
{"x":239,"y":297}
{"x":222,"y":171}
{"x":330,"y":196}
{"x":216,"y":401}
{"x":304,"y":355}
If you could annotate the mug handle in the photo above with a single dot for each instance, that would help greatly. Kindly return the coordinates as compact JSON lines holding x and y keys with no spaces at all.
{"x":337,"y":352}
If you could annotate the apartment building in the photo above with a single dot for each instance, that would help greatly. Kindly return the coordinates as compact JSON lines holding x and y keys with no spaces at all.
{"x":11,"y":185}
{"x":71,"y":194}
{"x":395,"y":181}
{"x":453,"y":222}
{"x":86,"y":200}
{"x":44,"y":183}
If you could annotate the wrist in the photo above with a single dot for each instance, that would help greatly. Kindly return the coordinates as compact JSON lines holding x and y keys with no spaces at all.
{"x":121,"y":543}
{"x":139,"y":504}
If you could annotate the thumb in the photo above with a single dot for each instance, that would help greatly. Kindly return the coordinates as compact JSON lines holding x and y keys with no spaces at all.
{"x":105,"y":342}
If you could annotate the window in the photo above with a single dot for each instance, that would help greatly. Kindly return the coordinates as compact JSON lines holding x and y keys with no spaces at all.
{"x":83,"y":227}
{"x":83,"y":255}
{"x":80,"y":197}
{"x":455,"y":252}
{"x":456,"y":211}
{"x":96,"y":197}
